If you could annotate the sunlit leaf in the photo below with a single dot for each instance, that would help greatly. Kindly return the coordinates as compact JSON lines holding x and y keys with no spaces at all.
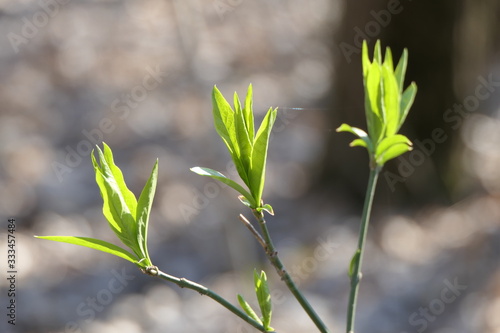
{"x":144,"y":210}
{"x":393,"y":152}
{"x":259,"y":155}
{"x":116,"y":200}
{"x":390,"y":100}
{"x":401,"y":70}
{"x":406,"y":102}
{"x":219,"y":176}
{"x":95,"y":244}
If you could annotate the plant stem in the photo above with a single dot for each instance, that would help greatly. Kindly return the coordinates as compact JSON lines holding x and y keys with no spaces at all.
{"x":358,"y":256}
{"x":272,"y":255}
{"x":185,"y":283}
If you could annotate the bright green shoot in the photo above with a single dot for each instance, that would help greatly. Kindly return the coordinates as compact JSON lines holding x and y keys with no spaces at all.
{"x":126,"y":216}
{"x":247,"y":149}
{"x":386,"y":107}
{"x":264,"y":298}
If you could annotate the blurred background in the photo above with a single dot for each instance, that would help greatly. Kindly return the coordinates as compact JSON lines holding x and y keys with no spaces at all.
{"x":138,"y":75}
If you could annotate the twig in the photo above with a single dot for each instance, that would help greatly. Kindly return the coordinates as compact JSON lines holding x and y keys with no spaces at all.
{"x":253,"y":231}
{"x":185,"y":283}
{"x":272,"y":255}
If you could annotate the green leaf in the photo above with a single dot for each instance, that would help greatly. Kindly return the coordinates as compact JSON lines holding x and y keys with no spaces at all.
{"x":144,"y":210}
{"x":268,"y":208}
{"x":391,"y":100}
{"x":406,"y":102}
{"x":224,"y":120}
{"x":96,"y":244}
{"x":393,"y":152}
{"x":264,"y":297}
{"x":243,"y":140}
{"x":374,"y":113}
{"x":363,"y":136}
{"x":401,"y":70}
{"x":117,"y":202}
{"x":219,"y":176}
{"x":391,"y":141}
{"x":248,"y":112}
{"x":259,"y":156}
{"x":248,"y":309}
{"x":354,"y":262}
{"x":365,"y":61}
{"x":377,"y":54}
{"x":388,"y":59}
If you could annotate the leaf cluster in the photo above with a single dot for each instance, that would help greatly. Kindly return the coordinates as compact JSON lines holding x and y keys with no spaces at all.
{"x":127,"y":216}
{"x":386,"y":106}
{"x":248,"y":149}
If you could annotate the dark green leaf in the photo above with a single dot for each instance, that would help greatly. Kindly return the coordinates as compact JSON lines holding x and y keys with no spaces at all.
{"x":354,"y":263}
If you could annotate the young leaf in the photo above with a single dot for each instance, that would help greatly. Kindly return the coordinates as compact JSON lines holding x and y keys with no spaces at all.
{"x":264,"y":297}
{"x":248,"y":113}
{"x":390,"y":100}
{"x":248,"y":309}
{"x":244,"y":142}
{"x":401,"y":70}
{"x":363,"y":136}
{"x":257,"y":172}
{"x":224,"y":121}
{"x":144,"y":210}
{"x":268,"y":208}
{"x":393,"y":152}
{"x":225,"y":125}
{"x":406,"y":102}
{"x":365,"y":59}
{"x":354,"y":262}
{"x":116,"y":200}
{"x":96,"y":244}
{"x":219,"y":176}
{"x":374,"y":114}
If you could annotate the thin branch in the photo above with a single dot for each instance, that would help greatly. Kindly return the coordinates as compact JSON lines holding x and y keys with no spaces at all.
{"x":253,"y":231}
{"x":272,"y":255}
{"x":185,"y":283}
{"x":358,"y":257}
